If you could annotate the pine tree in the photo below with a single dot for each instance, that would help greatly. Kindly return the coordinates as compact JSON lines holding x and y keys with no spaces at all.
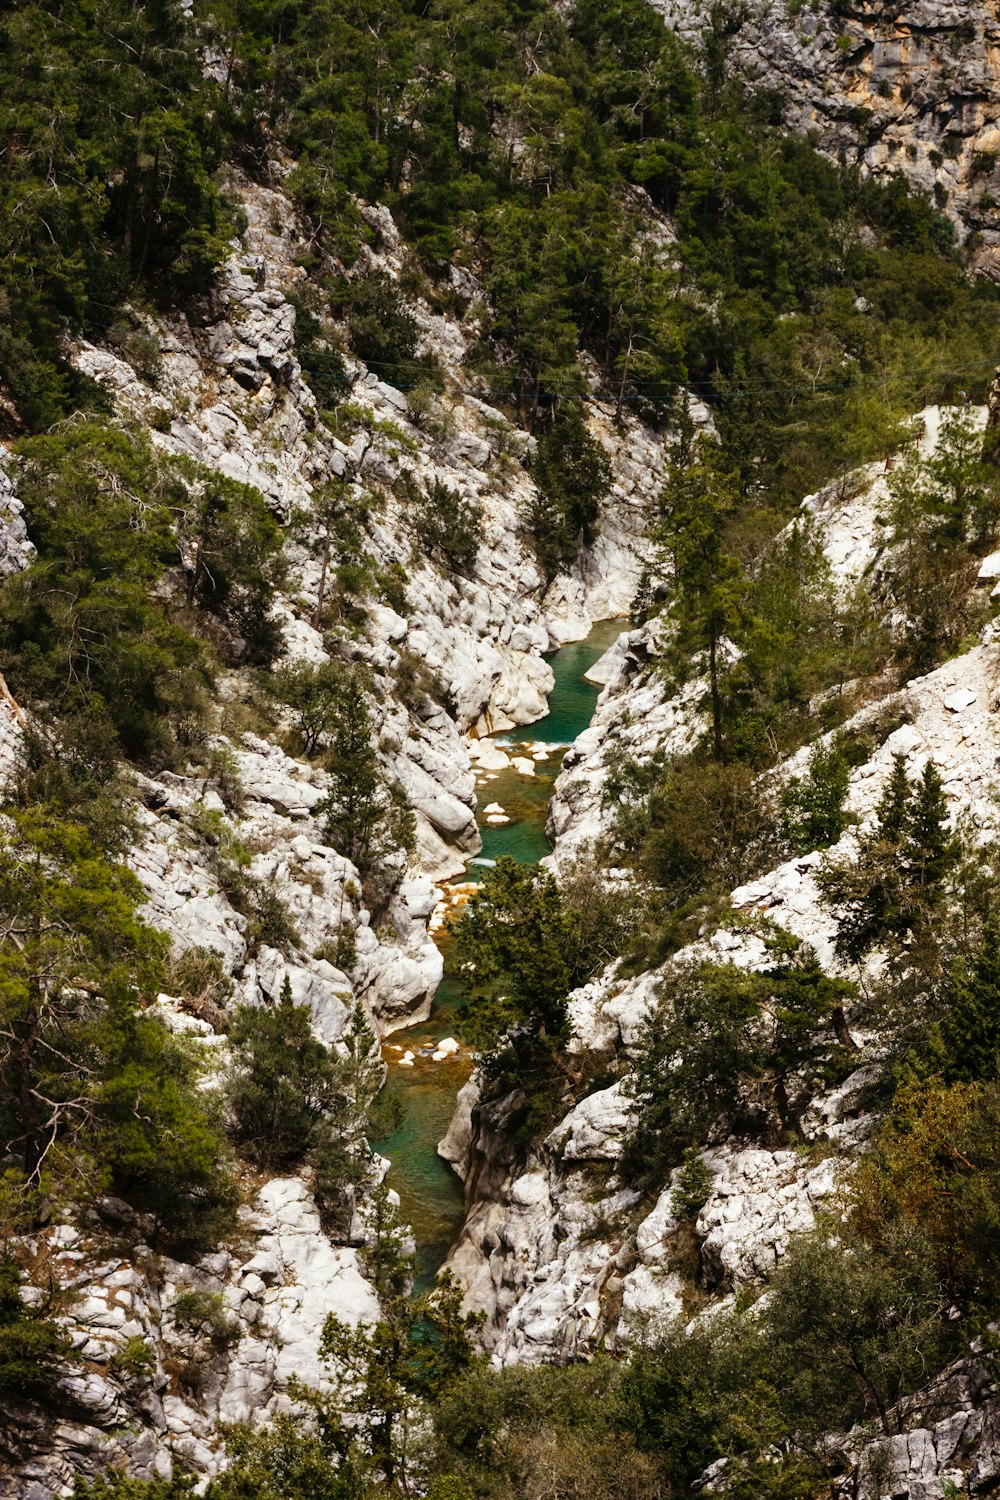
{"x":383,"y":1374}
{"x":572,"y":476}
{"x":970,"y":1012}
{"x":365,"y":819}
{"x":515,"y":941}
{"x":281,"y":1082}
{"x":709,"y":586}
{"x":930,"y":850}
{"x":235,"y":560}
{"x":890,"y":891}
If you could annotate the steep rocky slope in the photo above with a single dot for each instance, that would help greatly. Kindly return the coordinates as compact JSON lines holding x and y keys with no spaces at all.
{"x":896,"y":87}
{"x":233,"y":396}
{"x":559,"y":1252}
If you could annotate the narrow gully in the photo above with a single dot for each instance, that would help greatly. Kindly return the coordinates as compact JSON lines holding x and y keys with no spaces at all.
{"x":431,"y":1195}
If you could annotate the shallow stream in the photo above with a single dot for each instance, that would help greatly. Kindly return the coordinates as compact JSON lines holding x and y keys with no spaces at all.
{"x":431,"y":1195}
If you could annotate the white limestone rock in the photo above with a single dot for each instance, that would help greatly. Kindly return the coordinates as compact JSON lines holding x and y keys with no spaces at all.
{"x":595,"y":1129}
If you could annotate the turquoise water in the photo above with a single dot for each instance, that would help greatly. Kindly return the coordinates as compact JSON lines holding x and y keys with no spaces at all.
{"x":431,"y":1196}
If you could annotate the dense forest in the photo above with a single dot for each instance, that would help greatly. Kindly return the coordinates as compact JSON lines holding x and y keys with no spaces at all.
{"x":617,"y":222}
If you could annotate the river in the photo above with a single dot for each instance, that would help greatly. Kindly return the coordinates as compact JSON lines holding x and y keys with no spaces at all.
{"x":431,"y":1195}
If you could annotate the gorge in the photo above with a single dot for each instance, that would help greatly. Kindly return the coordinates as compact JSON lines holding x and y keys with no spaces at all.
{"x":437,"y":433}
{"x":431,"y":1200}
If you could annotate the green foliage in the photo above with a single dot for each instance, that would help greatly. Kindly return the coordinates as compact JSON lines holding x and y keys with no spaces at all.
{"x":115,"y":136}
{"x":944,"y":508}
{"x":515,"y":947}
{"x":204,"y":1328}
{"x":693,"y":830}
{"x":572,"y":476}
{"x":312,"y":692}
{"x":722,"y":1053}
{"x":888,"y":894}
{"x":813,"y":815}
{"x":205,"y":1313}
{"x":280,"y":1462}
{"x":522,"y":944}
{"x":334,"y":529}
{"x":33,"y":1347}
{"x":136,"y":1361}
{"x":366,"y":819}
{"x":968,"y":1006}
{"x":692,"y":1186}
{"x":447,"y":523}
{"x":281,"y":1082}
{"x":159,"y":1135}
{"x":607,"y":914}
{"x":234,"y":546}
{"x":269,"y":922}
{"x":698,"y":496}
{"x":79,"y":628}
{"x":380,"y":1372}
{"x":198,"y":976}
{"x":755,"y":615}
{"x":953,"y":495}
{"x":72,"y":766}
{"x":73,"y":945}
{"x":851,"y":1332}
{"x":94,"y":1092}
{"x":842,"y":1337}
{"x":934,"y":1171}
{"x":517,"y":1433}
{"x":293,"y":1101}
{"x":382,"y":330}
{"x":317,"y":346}
{"x":340,"y":1155}
{"x":114,"y":1485}
{"x":800,"y":639}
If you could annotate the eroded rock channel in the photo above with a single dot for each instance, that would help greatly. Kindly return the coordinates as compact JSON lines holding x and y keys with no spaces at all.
{"x":424,"y":1082}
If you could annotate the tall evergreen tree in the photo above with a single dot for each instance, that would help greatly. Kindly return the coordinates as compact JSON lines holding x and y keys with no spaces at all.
{"x":365,"y":819}
{"x":890,"y":892}
{"x":698,"y":498}
{"x":969,"y":1011}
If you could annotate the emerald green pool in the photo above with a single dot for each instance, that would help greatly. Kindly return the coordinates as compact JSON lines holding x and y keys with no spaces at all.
{"x":431,"y":1196}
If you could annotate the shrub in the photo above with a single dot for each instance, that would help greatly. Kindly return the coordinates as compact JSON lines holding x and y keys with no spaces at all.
{"x":283,"y":1461}
{"x":160,"y":1136}
{"x":204,"y":1329}
{"x":136,"y":1361}
{"x":447,"y":523}
{"x":693,"y":829}
{"x":33,"y":1346}
{"x":205,"y":1313}
{"x":722,"y":1052}
{"x":813,"y":815}
{"x":934,"y":1170}
{"x":572,"y":476}
{"x":281,"y":1082}
{"x":114,"y":1485}
{"x":312,"y":692}
{"x":692,"y":1186}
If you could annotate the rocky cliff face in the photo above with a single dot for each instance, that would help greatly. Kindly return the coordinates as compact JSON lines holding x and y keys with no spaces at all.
{"x":557,"y":1250}
{"x":894,"y":86}
{"x":233,"y":396}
